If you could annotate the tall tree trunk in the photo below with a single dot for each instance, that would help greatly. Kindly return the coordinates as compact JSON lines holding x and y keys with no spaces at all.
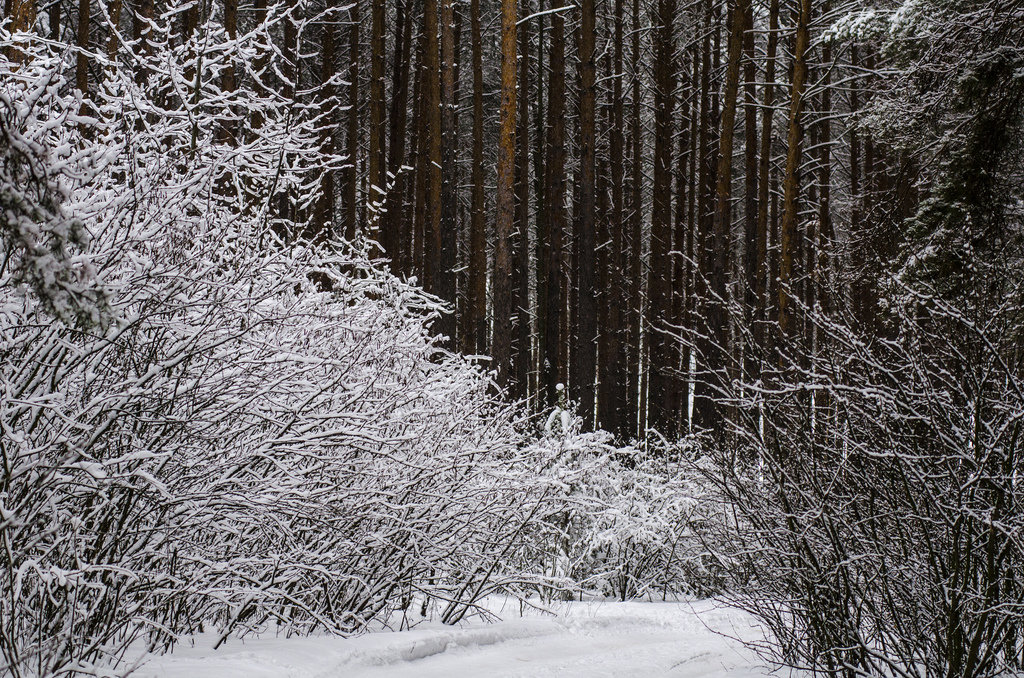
{"x":681,"y":245}
{"x":23,"y":17}
{"x":227,"y":78}
{"x":505,"y":199}
{"x":477,"y":312}
{"x":144,"y":15}
{"x":554,"y":202}
{"x":521,"y":353}
{"x":693,"y":234}
{"x":791,"y":182}
{"x":541,"y":241}
{"x":82,"y":60}
{"x":323,"y":216}
{"x":763,"y":183}
{"x":750,"y":191}
{"x":352,"y":139}
{"x":396,"y":230}
{"x":663,"y":355}
{"x":448,"y":221}
{"x":636,"y":394}
{"x":54,"y":16}
{"x":113,"y":41}
{"x":826,"y":232}
{"x":376,"y":152}
{"x":857,"y":291}
{"x":704,"y":244}
{"x":420,"y":160}
{"x":614,"y":365}
{"x":716,"y":354}
{"x":584,"y":351}
{"x":431,"y":163}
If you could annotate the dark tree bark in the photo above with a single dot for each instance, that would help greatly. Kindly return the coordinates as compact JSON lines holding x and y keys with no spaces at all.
{"x":477,"y":311}
{"x":663,"y":354}
{"x":505,"y":200}
{"x":858,"y":290}
{"x":704,"y":247}
{"x":376,"y":152}
{"x":82,"y":61}
{"x":352,"y":138}
{"x":584,"y":351}
{"x":763,"y":183}
{"x":554,"y":202}
{"x":682,"y":239}
{"x":430,"y":164}
{"x":448,"y":220}
{"x":791,"y":183}
{"x":750,"y":190}
{"x":113,"y":42}
{"x":614,"y":363}
{"x":396,"y":232}
{"x":716,"y":353}
{"x":521,"y":350}
{"x":541,"y":241}
{"x":227,"y":78}
{"x":54,"y":17}
{"x":826,"y":232}
{"x":693,"y":235}
{"x":323,"y":216}
{"x":636,"y":396}
{"x":23,"y":16}
{"x":422,"y":172}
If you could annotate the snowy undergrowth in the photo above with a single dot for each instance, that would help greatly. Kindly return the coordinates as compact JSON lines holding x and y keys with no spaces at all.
{"x":211,"y":424}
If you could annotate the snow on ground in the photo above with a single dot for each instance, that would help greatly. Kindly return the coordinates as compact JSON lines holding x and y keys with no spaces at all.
{"x":585,"y":640}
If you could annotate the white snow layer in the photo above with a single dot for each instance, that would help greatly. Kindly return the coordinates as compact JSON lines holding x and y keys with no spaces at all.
{"x":585,"y":640}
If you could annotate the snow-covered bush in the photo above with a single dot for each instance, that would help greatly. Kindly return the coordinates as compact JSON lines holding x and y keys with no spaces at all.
{"x":623,"y":522}
{"x":881,"y":490}
{"x":217,"y":416}
{"x":204,"y":426}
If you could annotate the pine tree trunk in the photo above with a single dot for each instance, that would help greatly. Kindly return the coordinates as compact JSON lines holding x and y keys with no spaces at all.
{"x":763,"y":183}
{"x":376,"y":152}
{"x":505,"y":198}
{"x":113,"y":42}
{"x":54,"y":16}
{"x":681,"y":244}
{"x":431,"y":163}
{"x":23,"y":17}
{"x":704,"y":241}
{"x":586,"y":291}
{"x":554,"y":202}
{"x":477,"y":323}
{"x":791,"y":182}
{"x":82,"y":60}
{"x":352,"y":139}
{"x":716,"y":354}
{"x":663,"y":354}
{"x":750,"y":192}
{"x":636,"y":396}
{"x":448,"y":220}
{"x":521,"y":350}
{"x":613,"y":362}
{"x":324,"y":214}
{"x":396,"y":230}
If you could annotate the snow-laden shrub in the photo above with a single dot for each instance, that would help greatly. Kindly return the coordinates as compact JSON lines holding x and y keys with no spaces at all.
{"x":622,"y":521}
{"x":203,"y":426}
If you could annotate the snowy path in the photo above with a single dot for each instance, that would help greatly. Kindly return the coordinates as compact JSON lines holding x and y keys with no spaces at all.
{"x":587,"y":640}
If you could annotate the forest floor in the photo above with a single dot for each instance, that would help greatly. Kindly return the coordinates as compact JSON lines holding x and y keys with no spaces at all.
{"x":698,"y":639}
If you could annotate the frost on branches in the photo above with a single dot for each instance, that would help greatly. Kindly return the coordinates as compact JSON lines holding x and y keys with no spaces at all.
{"x":207,"y":424}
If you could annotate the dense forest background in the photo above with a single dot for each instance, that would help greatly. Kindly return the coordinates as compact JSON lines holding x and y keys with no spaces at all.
{"x":642,"y":201}
{"x":315,"y":317}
